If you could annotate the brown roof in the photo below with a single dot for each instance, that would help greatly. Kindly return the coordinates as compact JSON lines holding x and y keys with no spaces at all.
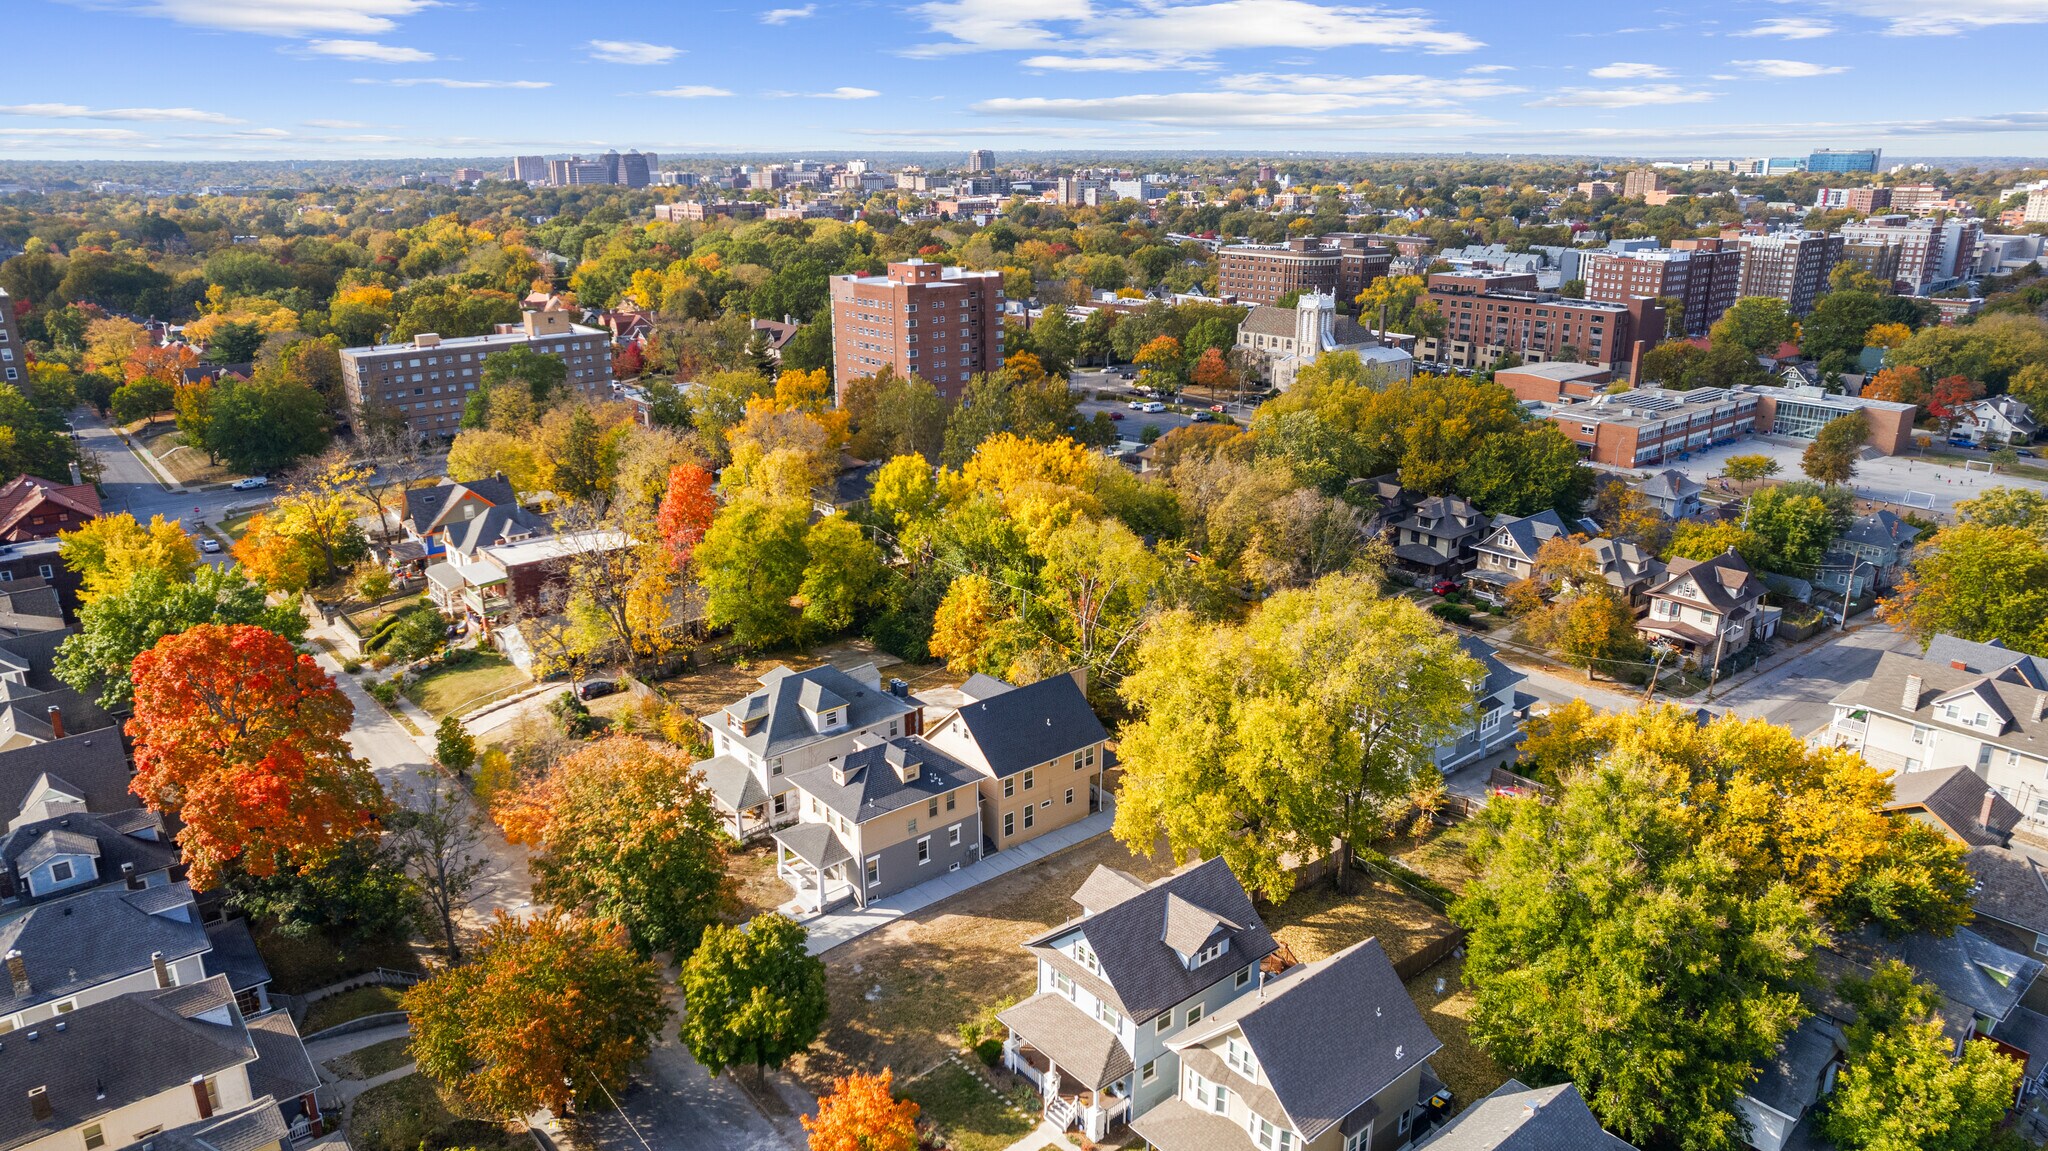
{"x":26,"y":496}
{"x":1725,"y":582}
{"x":1955,"y":798}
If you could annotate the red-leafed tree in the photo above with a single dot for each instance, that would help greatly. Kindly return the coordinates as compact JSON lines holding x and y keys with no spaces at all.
{"x":687,"y":508}
{"x":1951,"y":396}
{"x":240,"y":736}
{"x":628,"y":362}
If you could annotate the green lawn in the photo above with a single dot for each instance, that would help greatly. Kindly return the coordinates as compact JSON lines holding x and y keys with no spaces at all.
{"x":456,"y":689}
{"x":337,"y":1009}
{"x":299,"y":965}
{"x":964,"y":1113}
{"x":408,"y":1115}
{"x":374,"y":1060}
{"x":236,"y":526}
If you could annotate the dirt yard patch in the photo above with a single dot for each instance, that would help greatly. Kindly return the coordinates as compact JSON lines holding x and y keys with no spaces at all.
{"x":1318,"y":921}
{"x":189,"y":465}
{"x":753,"y":870}
{"x":1442,"y":854}
{"x":1470,"y":1073}
{"x":704,"y":690}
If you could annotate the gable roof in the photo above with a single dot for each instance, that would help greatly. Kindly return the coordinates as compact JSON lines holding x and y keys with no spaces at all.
{"x":1725,"y":583}
{"x":90,"y":764}
{"x":25,"y":496}
{"x":258,"y":1126}
{"x":1518,"y":1118}
{"x":874,"y":789}
{"x":1880,"y":529}
{"x":1789,"y":1081}
{"x":1524,"y":535}
{"x":426,"y":508}
{"x":1027,"y":726}
{"x":118,"y":1052}
{"x":1956,"y":798}
{"x":1142,"y":975}
{"x":780,"y":704}
{"x":1329,"y":1035}
{"x":82,"y":940}
{"x":28,"y":845}
{"x":2012,"y":886}
{"x":1960,"y":966}
{"x":2006,"y":693}
{"x":1669,"y":484}
{"x":1988,"y":658}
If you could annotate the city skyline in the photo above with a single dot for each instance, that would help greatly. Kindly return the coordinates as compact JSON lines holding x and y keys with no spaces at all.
{"x":331,"y":79}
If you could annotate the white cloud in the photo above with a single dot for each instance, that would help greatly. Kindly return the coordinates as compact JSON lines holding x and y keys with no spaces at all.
{"x":631,"y":52}
{"x":1621,"y":71}
{"x":1787,"y":69}
{"x":1421,"y":91}
{"x":370,"y":50}
{"x":444,"y":82}
{"x":1177,"y":32}
{"x":81,"y":112}
{"x":96,"y":135}
{"x":1231,"y":109}
{"x":1103,"y":64}
{"x":287,"y":17}
{"x":1791,"y":28}
{"x":845,"y":93}
{"x":1488,"y":69}
{"x":1637,"y":97}
{"x":1950,"y":18}
{"x":785,"y":15}
{"x":691,"y":92}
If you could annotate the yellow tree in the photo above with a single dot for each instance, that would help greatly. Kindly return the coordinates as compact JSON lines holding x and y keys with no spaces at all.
{"x":109,"y":551}
{"x":479,"y":454}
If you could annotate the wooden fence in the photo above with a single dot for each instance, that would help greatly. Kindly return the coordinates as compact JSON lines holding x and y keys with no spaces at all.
{"x":1432,"y":953}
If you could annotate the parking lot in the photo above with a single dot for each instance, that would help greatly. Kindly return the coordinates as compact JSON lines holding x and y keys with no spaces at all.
{"x":1118,"y":395}
{"x":1906,"y":481}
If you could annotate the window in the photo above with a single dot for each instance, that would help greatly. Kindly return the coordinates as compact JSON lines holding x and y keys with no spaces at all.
{"x":912,"y":829}
{"x":1356,"y":1141}
{"x":1070,"y":796}
{"x":46,"y":571}
{"x":1085,"y":956}
{"x":1149,"y":1072}
{"x":213,"y":1092}
{"x":1028,"y":813}
{"x":931,"y":810}
{"x":924,"y":851}
{"x":951,"y":796}
{"x":1028,"y":772}
{"x":1110,"y":1016}
{"x":1009,"y":788}
{"x":1210,"y":952}
{"x":1244,"y":977}
{"x":874,"y":870}
{"x":1269,"y":1137}
{"x":1063,"y":983}
{"x":67,"y":1007}
{"x":1163,"y":1024}
{"x":1009,"y":824}
{"x":60,"y":871}
{"x":953,"y":836}
{"x":95,"y":1137}
{"x":1401,"y":1124}
{"x":1238,"y":1057}
{"x":1194,"y":1015}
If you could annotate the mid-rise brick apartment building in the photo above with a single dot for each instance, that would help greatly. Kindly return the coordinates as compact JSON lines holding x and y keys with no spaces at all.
{"x":1933,"y":252}
{"x":1862,"y":201}
{"x":1791,"y":265}
{"x":941,"y":323}
{"x":1489,"y":314}
{"x":428,"y":379}
{"x":698,"y":211}
{"x":1648,"y":427}
{"x":1639,"y":183}
{"x":1703,"y":275}
{"x":13,"y":353}
{"x":1339,"y":264}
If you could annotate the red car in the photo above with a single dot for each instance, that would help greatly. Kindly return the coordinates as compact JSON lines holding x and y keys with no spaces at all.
{"x":1116,"y":415}
{"x":1444,"y":586}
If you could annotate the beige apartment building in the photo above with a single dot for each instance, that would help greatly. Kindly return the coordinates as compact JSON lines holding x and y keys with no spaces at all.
{"x":940,"y":323}
{"x":428,"y":379}
{"x":1038,"y":751}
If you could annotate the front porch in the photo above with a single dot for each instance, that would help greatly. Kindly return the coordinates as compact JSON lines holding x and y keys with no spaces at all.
{"x":740,"y":799}
{"x":817,"y":867}
{"x":1083,"y":1074}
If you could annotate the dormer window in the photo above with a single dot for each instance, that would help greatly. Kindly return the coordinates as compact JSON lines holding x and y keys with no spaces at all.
{"x":1085,"y":956}
{"x":1238,"y":1056}
{"x":1208,"y":953}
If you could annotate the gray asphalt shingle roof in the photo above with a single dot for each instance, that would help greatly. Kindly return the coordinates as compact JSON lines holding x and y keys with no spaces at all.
{"x":2012,"y":885}
{"x":282,"y":1067}
{"x":779,"y":707}
{"x":424,"y":507}
{"x":91,"y":763}
{"x":1027,"y":726}
{"x":82,"y":833}
{"x":101,"y":934}
{"x":1084,"y":1050}
{"x":873,"y":786}
{"x":234,"y":955}
{"x":1956,"y":797}
{"x":1518,"y":1118}
{"x":252,"y":1128}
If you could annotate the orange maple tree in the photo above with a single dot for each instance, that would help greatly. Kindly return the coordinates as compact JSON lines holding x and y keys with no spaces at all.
{"x":861,"y":1115}
{"x":166,"y":364}
{"x":687,"y":508}
{"x":240,"y":736}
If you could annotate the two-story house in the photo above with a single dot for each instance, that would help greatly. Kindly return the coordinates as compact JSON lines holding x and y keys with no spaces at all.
{"x":1329,"y":1056}
{"x":1996,"y":421}
{"x":178,"y":1061}
{"x":1436,"y":537}
{"x":1494,"y":708}
{"x":63,"y":954}
{"x":1673,"y":495}
{"x":1040,"y":751}
{"x":879,"y":820}
{"x":32,"y":508}
{"x":57,"y":846}
{"x":2011,"y":900}
{"x":1518,"y":1118}
{"x":1143,"y":966}
{"x":461,"y":517}
{"x":1707,"y":610}
{"x":797,"y":721}
{"x":1508,"y":554}
{"x":1871,"y":555}
{"x":1961,"y":704}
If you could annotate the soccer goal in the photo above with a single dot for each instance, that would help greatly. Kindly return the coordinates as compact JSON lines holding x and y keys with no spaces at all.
{"x":1922,"y":500}
{"x":1979,"y":465}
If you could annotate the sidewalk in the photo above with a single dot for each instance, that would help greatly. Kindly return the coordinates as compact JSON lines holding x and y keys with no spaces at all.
{"x":834,"y":928}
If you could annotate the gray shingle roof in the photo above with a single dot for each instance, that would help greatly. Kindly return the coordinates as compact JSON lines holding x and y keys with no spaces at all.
{"x":1725,"y":582}
{"x":1667,"y":485}
{"x":780,"y":705}
{"x":1955,"y":797}
{"x":873,"y":788}
{"x":1524,"y":535}
{"x":1960,"y":966}
{"x":109,"y":1055}
{"x":234,"y":955}
{"x":1175,"y":1125}
{"x":1085,"y":1050}
{"x":82,"y":833}
{"x":1499,"y":676}
{"x":1790,"y":1081}
{"x":1031,"y":725}
{"x":1885,"y":691}
{"x":102,"y":934}
{"x":282,"y":1067}
{"x":1189,"y":927}
{"x":252,"y":1128}
{"x":1881,"y":529}
{"x":92,"y":762}
{"x":1141,"y":975}
{"x":814,"y":843}
{"x":1330,"y":1035}
{"x":2012,"y":885}
{"x":424,"y":507}
{"x":731,"y":783}
{"x":1518,"y":1118}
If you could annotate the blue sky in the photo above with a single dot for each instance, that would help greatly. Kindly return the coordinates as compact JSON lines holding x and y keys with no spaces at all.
{"x":268,"y":79}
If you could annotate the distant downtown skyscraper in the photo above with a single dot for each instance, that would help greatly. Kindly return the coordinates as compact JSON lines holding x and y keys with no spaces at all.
{"x":981,"y":160}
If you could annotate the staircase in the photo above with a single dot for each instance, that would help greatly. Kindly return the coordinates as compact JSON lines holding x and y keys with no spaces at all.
{"x":1060,"y":1112}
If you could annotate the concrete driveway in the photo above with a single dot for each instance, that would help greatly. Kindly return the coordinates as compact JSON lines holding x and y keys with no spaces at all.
{"x":675,"y":1105}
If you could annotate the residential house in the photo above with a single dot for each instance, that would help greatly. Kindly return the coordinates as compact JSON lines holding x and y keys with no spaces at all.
{"x":89,"y":770}
{"x":1508,"y":553}
{"x":1961,"y":704}
{"x":33,"y":566}
{"x":879,"y":820}
{"x":1871,"y":555}
{"x":1145,"y":964}
{"x":797,"y":721}
{"x":2011,"y":901}
{"x":1330,"y":1056}
{"x":1673,"y":495}
{"x":777,"y":334}
{"x":1517,"y":1118}
{"x":1707,"y":610}
{"x":455,"y":520}
{"x":498,"y":579}
{"x":32,"y":508}
{"x":1434,"y":537}
{"x":1494,"y":709}
{"x":1995,"y":421}
{"x":36,"y":706}
{"x":57,"y":846}
{"x":64,"y":954}
{"x":1787,"y":1085}
{"x":1040,"y":751}
{"x":131,"y":1068}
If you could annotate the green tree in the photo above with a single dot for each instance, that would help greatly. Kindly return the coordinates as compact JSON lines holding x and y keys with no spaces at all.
{"x":116,"y":627}
{"x":1750,"y":468}
{"x":1977,"y":582}
{"x":264,"y":426}
{"x":2007,"y":507}
{"x":1904,"y":1088}
{"x":1572,"y":289}
{"x":1756,"y":324}
{"x":844,"y":575}
{"x":354,"y":893}
{"x":454,"y":747}
{"x":751,"y":563}
{"x":541,"y":377}
{"x":1795,"y":523}
{"x":1697,"y":540}
{"x":1831,"y":457}
{"x":752,"y":994}
{"x":1311,"y":723}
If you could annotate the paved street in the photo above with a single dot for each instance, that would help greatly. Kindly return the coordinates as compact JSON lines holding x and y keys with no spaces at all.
{"x":131,"y":487}
{"x":674,"y":1105}
{"x":1796,"y":694}
{"x":1133,"y":423}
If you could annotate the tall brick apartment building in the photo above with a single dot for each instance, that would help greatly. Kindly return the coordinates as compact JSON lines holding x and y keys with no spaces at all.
{"x":1793,"y":266}
{"x":1488,"y":314}
{"x":1339,"y":264}
{"x":1704,"y":275}
{"x":940,"y":323}
{"x":428,"y":380}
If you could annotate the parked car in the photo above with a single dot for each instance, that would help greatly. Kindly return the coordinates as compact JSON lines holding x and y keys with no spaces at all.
{"x":1116,"y":415}
{"x":1217,"y":408}
{"x":1444,"y":586}
{"x":209,"y":545}
{"x":250,"y":483}
{"x":1150,"y":406}
{"x":1127,"y":375}
{"x":2025,"y":453}
{"x":593,"y":688}
{"x":1202,"y":417}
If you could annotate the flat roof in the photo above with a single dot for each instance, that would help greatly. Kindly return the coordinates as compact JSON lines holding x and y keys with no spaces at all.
{"x":559,"y":547}
{"x":460,"y":342}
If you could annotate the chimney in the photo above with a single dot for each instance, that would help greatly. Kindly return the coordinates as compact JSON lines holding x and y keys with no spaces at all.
{"x":2040,"y":705}
{"x":1984,"y":809}
{"x":77,"y":477}
{"x":17,"y":970}
{"x":39,"y":1104}
{"x":162,"y":969}
{"x":1958,"y":665}
{"x":1911,"y":698}
{"x":56,"y":718}
{"x":199,"y":1096}
{"x":128,"y":877}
